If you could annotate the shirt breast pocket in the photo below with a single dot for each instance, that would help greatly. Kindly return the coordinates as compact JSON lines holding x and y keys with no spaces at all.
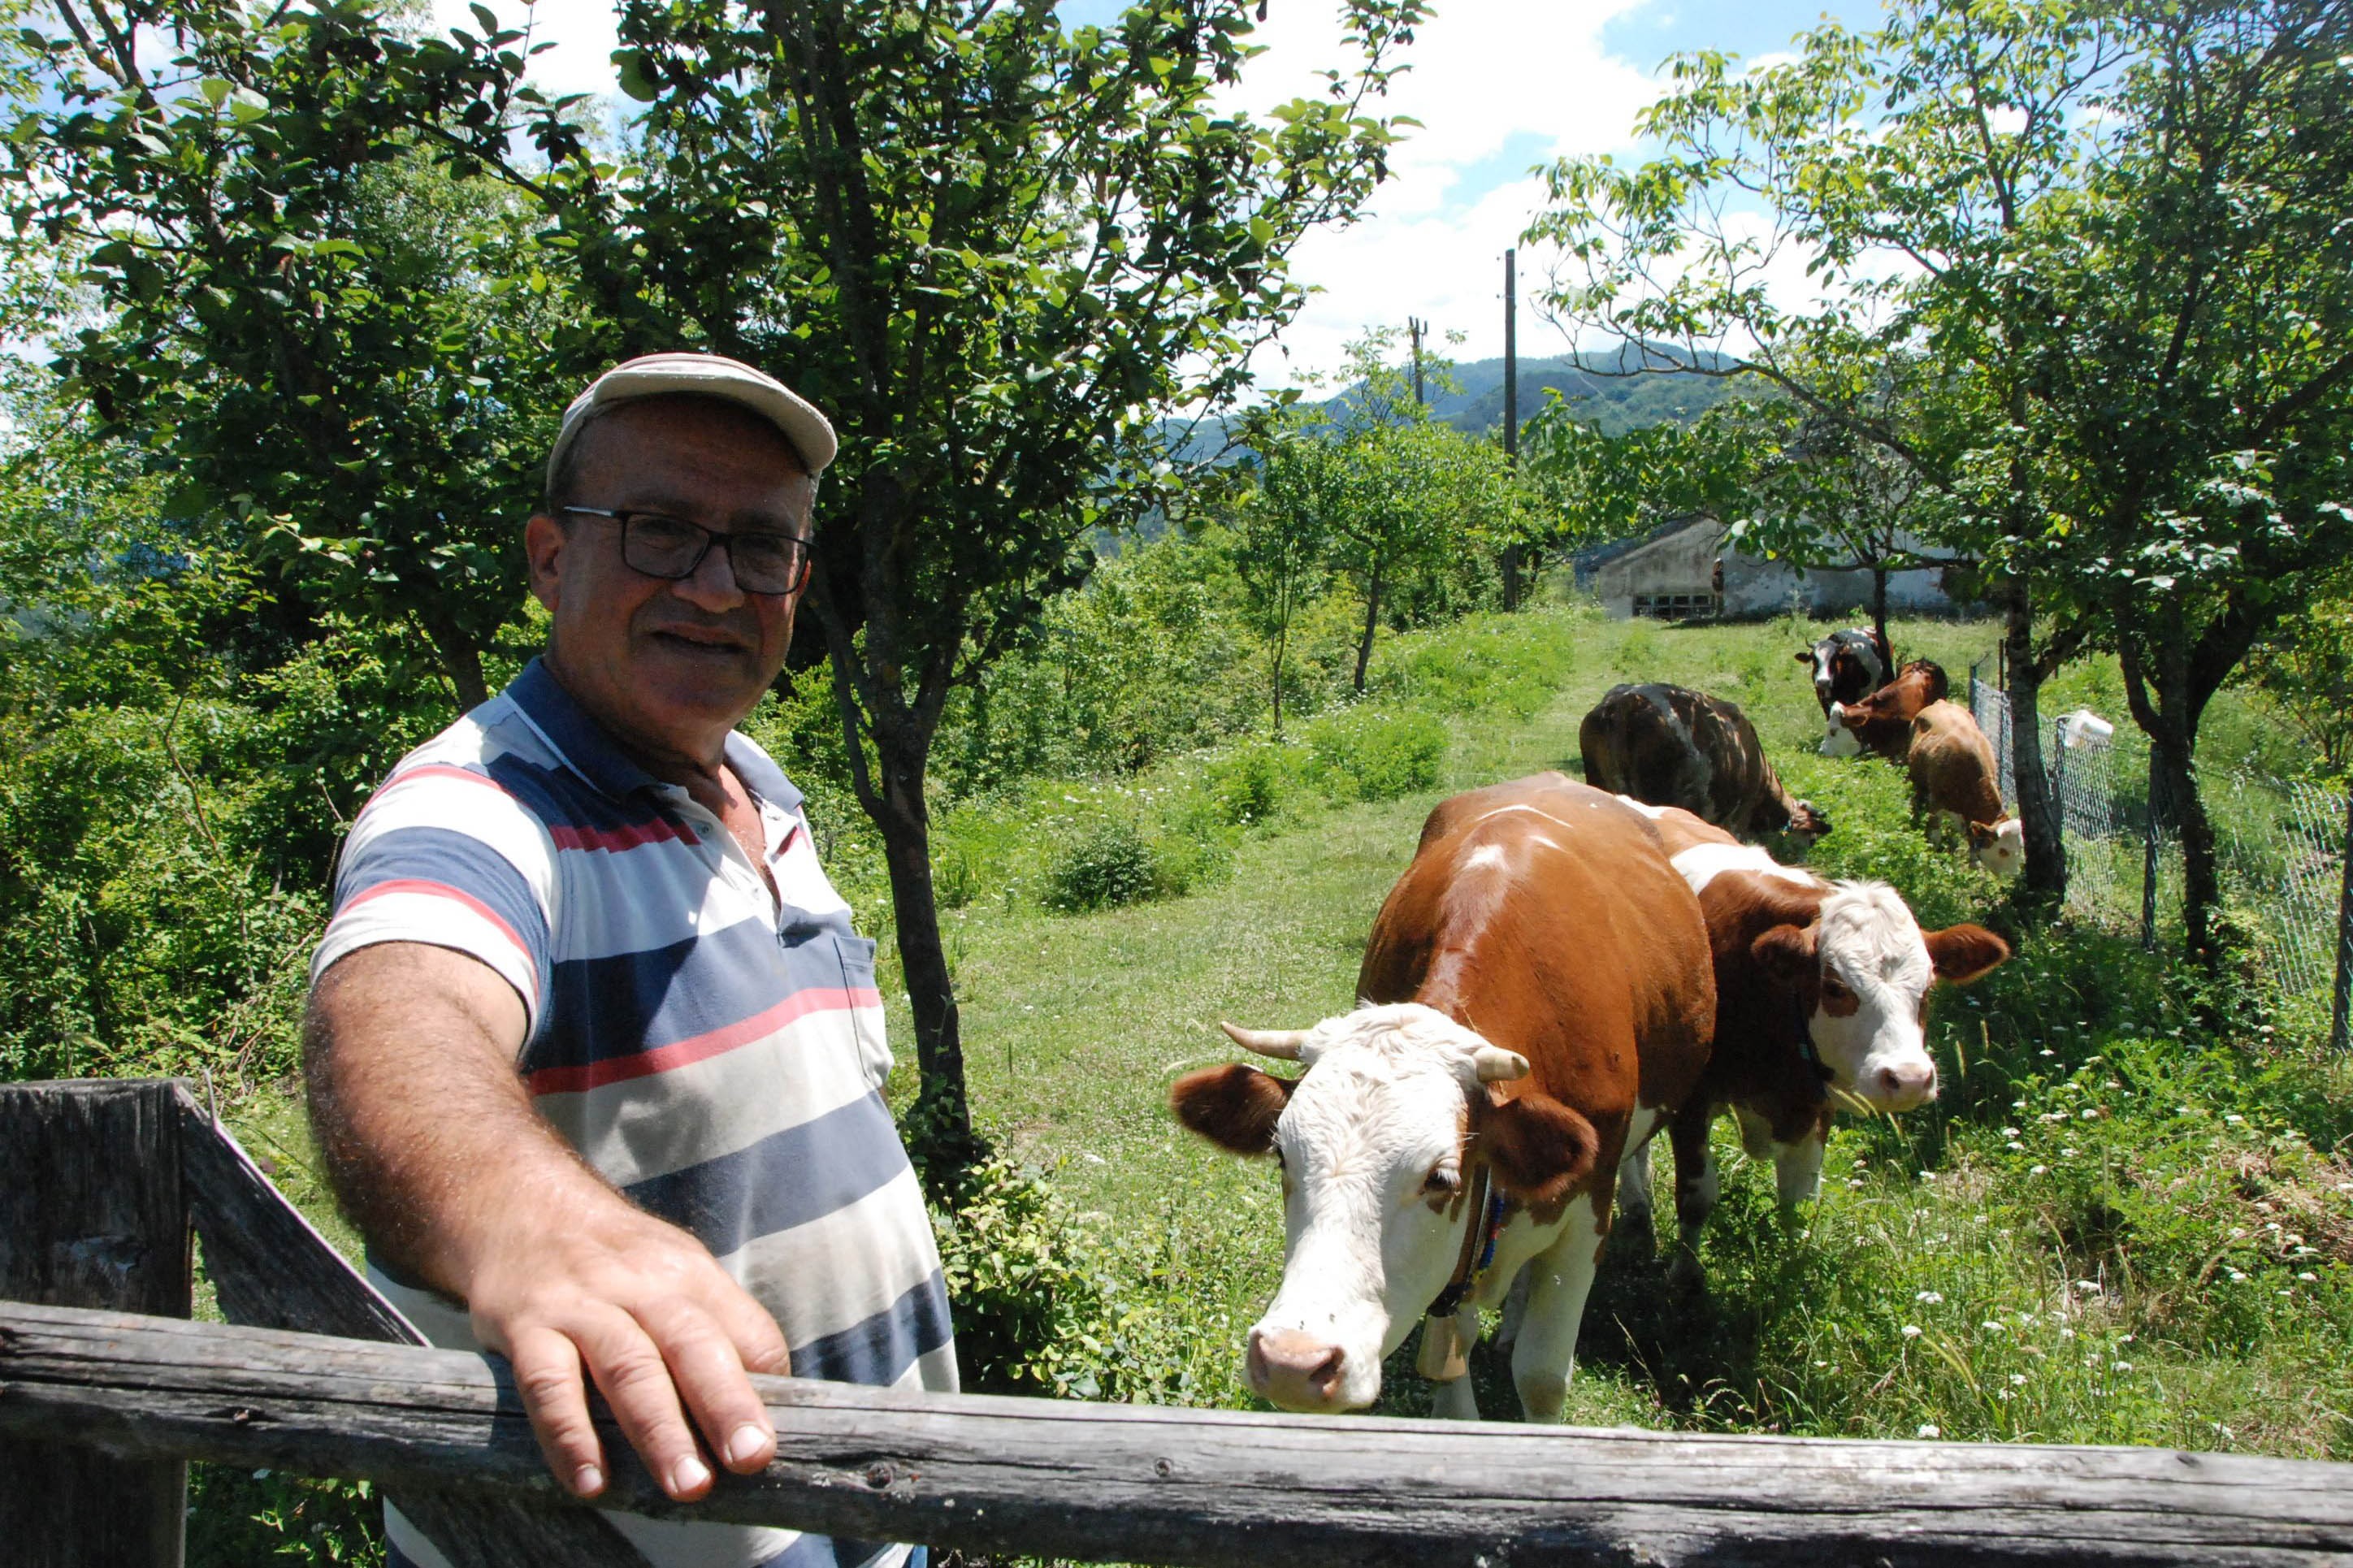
{"x":856,"y":954}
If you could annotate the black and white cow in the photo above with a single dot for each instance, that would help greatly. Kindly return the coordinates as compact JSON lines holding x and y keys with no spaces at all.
{"x":1849,"y":666}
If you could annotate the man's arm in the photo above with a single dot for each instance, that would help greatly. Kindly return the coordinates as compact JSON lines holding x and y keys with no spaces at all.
{"x":433,"y":1147}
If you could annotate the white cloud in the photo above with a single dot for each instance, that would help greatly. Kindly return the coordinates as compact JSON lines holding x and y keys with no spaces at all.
{"x":1498,"y":85}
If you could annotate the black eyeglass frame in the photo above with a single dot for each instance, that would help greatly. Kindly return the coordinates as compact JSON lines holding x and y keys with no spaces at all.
{"x":799,"y":547}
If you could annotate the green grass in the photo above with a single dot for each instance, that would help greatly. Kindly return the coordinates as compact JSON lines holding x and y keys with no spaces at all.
{"x":2090,"y":1132}
{"x":1074,"y":1027}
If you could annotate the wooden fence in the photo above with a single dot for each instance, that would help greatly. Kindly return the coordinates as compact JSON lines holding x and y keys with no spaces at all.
{"x":106,"y":1390}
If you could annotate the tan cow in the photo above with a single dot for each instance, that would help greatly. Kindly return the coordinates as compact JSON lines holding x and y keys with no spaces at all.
{"x":1537,"y":999}
{"x":1821,"y":994}
{"x":1954,"y":780}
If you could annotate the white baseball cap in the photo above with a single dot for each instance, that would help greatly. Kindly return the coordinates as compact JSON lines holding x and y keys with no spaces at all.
{"x":705,"y":376}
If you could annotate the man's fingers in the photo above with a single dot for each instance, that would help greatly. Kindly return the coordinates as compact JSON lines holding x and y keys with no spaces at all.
{"x":710,"y":1377}
{"x":547,"y":1375}
{"x":635,"y":1380}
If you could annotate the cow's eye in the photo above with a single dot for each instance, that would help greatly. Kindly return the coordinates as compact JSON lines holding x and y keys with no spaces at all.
{"x":1441,"y":1180}
{"x":1832,"y":986}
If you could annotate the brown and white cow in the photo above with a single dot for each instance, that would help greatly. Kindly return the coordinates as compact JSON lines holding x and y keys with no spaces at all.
{"x":1849,"y":666}
{"x":1537,"y":999}
{"x":1882,"y":722}
{"x":1822,"y":997}
{"x":1953,"y":779}
{"x":1669,"y":745}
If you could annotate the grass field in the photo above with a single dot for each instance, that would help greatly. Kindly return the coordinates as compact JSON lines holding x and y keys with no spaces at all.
{"x":2115,"y":1227}
{"x":2111,"y":1229}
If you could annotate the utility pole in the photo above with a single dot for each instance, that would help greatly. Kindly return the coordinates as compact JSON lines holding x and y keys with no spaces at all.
{"x":1511,"y":412}
{"x":1414,"y":327}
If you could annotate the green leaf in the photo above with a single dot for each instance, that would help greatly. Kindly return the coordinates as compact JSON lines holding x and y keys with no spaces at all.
{"x":636,"y":77}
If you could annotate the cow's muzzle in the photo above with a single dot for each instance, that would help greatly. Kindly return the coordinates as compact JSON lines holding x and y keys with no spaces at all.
{"x":1296,"y":1371}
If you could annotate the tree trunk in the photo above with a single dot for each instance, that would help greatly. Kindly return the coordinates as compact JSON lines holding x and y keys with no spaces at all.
{"x":941,"y":1130}
{"x":1282,"y":638}
{"x":460,"y":657}
{"x":1878,"y":601}
{"x":1510,"y":577}
{"x":2201,"y":886}
{"x":2045,"y":880}
{"x":1372,"y":622}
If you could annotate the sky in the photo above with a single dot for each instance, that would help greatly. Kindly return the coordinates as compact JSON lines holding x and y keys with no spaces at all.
{"x":1499,"y":86}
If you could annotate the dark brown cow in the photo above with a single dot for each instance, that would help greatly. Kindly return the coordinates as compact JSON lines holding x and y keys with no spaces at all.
{"x":1849,"y":666}
{"x":1882,"y":722}
{"x":1669,"y":745}
{"x":1821,"y":994}
{"x":1537,"y":999}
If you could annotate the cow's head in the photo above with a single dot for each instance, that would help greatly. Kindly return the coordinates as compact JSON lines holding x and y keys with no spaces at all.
{"x":1374,"y":1140}
{"x":1999,"y":847}
{"x":1859,"y":973}
{"x":1807,"y":822}
{"x":1840,"y":740}
{"x":1846,"y":665}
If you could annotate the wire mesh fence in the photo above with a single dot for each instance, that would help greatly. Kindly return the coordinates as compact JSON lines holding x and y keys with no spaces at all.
{"x":2280,"y":843}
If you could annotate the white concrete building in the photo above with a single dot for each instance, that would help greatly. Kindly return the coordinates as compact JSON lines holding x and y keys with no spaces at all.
{"x":1685,"y":569}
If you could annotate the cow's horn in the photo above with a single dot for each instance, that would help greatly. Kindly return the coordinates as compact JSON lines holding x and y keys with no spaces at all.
{"x":1496,"y":1065}
{"x":1281,"y":1044}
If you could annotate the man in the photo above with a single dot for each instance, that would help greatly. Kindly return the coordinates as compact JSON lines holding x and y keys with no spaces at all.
{"x":593,"y":1054}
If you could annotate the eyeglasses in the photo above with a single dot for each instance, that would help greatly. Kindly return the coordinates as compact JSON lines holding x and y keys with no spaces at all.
{"x":672,"y":548}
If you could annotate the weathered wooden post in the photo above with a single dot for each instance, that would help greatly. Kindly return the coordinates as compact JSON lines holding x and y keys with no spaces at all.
{"x":92,"y":1214}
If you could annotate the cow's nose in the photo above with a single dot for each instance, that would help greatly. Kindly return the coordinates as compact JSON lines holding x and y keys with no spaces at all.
{"x":1295,"y":1371}
{"x":1908,"y":1085}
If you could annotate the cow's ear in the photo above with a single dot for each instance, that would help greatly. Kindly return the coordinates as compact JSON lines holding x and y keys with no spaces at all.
{"x":1805,"y":656}
{"x":1786,"y":953}
{"x":1234,"y":1107}
{"x":1962,"y":953}
{"x":1537,"y":1147}
{"x":1982,"y":833}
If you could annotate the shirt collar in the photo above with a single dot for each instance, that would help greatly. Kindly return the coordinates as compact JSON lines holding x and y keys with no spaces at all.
{"x":590,"y":751}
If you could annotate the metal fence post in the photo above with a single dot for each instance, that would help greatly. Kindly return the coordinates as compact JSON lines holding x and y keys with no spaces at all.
{"x":2337,"y":1020}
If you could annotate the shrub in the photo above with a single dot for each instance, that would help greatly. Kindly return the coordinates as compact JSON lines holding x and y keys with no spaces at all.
{"x":1109,"y":863}
{"x":1248,"y":786}
{"x":1366,"y":754}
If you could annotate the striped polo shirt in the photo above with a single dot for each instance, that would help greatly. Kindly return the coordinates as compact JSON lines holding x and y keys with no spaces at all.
{"x":714,"y":1051}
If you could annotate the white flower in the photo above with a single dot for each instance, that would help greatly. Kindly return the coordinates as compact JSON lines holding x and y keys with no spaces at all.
{"x":1931,"y":1430}
{"x":2088,"y":1287}
{"x":2016,"y":1147}
{"x":2090,"y":1113}
{"x":1911,"y":1330}
{"x":2309,"y":1278}
{"x":1991,"y":1326}
{"x":2067,"y":1153}
{"x":2009,"y":1132}
{"x":2236,"y":1276}
{"x":2236,"y":1120}
{"x":1933,"y":1298}
{"x":2036,"y":1170}
{"x":2120,"y":1366}
{"x":2018,"y":1380}
{"x":1855,"y":1181}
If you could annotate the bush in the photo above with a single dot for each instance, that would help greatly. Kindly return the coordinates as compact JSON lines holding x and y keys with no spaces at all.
{"x":1108,"y":864}
{"x":1366,"y":754}
{"x":1248,"y":786}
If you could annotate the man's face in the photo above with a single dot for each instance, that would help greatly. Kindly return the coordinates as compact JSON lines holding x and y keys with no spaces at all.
{"x":669,"y":666}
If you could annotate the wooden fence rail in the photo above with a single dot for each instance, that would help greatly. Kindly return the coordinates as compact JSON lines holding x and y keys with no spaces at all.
{"x":445,"y":1433}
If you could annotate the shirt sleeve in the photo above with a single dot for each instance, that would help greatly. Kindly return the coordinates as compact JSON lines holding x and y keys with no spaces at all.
{"x":445,"y":856}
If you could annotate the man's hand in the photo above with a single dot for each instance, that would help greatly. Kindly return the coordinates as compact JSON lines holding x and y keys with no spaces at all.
{"x":655,"y":1321}
{"x":433,"y":1146}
